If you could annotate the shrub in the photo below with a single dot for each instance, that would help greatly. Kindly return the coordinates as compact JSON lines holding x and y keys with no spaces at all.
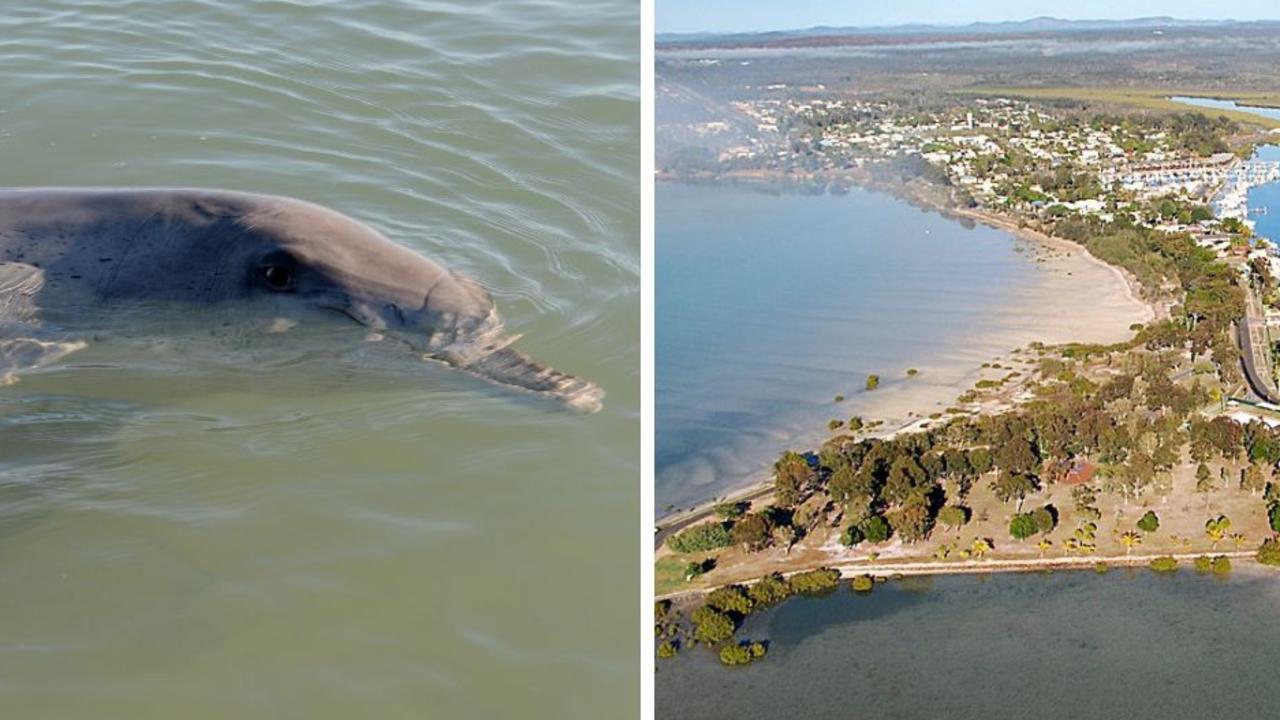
{"x":815,"y":580}
{"x":769,"y":589}
{"x":730,"y":510}
{"x":742,"y":653}
{"x":1221,"y":565}
{"x":1164,"y":564}
{"x":873,"y":381}
{"x":1101,"y":568}
{"x":707,"y":536}
{"x":912,"y":372}
{"x":667,"y":649}
{"x":1202,"y":564}
{"x":834,"y":424}
{"x":863,"y":583}
{"x":1273,"y":517}
{"x":1149,"y":522}
{"x":1269,"y":552}
{"x":730,"y":599}
{"x":839,"y":398}
{"x":712,"y":626}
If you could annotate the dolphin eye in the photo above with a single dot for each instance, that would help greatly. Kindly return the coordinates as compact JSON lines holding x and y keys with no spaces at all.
{"x":277,"y":277}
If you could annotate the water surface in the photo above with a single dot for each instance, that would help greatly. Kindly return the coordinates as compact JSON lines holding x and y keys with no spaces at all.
{"x":198,"y":530}
{"x":1218,"y":104}
{"x":1266,"y":223}
{"x":1067,"y":645}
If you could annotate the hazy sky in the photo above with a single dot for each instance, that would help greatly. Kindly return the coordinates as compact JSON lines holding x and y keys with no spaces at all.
{"x":743,"y":15}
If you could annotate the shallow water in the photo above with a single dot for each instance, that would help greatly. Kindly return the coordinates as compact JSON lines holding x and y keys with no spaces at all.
{"x":1216,"y":104}
{"x":208,"y":528}
{"x":1067,"y":645}
{"x":771,"y":303}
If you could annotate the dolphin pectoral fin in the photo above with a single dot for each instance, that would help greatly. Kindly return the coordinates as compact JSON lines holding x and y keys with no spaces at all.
{"x":507,"y":366}
{"x":17,"y":354}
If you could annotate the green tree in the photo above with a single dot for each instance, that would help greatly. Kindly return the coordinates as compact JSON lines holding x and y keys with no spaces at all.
{"x":905,"y":478}
{"x":1013,"y":486}
{"x":1204,"y":479}
{"x":953,"y":516}
{"x":851,"y":536}
{"x":875,"y":529}
{"x":980,"y":461}
{"x":1273,"y":518}
{"x":1254,"y":478}
{"x":1149,"y":522}
{"x":912,"y":520}
{"x":1017,"y":456}
{"x":752,"y":531}
{"x":1022,"y":526}
{"x":873,"y":381}
{"x":793,"y":478}
{"x":1045,"y":519}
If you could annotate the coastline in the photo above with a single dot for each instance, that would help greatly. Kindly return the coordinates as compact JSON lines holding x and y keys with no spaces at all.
{"x":925,"y":566}
{"x":907,"y":414}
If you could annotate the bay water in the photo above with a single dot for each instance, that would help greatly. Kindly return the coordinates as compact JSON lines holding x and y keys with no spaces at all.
{"x":1065,"y":645}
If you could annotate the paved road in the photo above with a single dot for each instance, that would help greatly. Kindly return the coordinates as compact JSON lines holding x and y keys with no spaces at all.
{"x":1255,"y":349}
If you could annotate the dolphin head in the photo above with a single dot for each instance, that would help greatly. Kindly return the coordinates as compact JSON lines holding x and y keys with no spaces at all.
{"x":298,"y":253}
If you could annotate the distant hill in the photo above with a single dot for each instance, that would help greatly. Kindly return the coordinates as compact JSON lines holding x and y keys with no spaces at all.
{"x":1033,"y":25}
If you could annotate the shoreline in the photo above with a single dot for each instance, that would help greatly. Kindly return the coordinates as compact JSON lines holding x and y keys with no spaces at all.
{"x":759,"y":485}
{"x":923,"y":567}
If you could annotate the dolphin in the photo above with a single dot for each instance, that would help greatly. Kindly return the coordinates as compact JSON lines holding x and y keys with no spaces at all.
{"x":72,"y":260}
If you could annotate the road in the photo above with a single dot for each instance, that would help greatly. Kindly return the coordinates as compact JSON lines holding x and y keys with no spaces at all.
{"x":1255,"y":349}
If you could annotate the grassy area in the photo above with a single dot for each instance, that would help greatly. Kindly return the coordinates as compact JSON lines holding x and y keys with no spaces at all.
{"x":668,"y":573}
{"x":1147,"y":99}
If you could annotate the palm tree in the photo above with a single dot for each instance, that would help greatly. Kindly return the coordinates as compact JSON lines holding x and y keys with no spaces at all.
{"x":1044,"y":545}
{"x":1129,"y":540}
{"x":1216,"y":529}
{"x":980,"y":547}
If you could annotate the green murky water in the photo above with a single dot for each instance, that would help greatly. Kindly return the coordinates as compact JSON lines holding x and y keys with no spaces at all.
{"x":187,"y":536}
